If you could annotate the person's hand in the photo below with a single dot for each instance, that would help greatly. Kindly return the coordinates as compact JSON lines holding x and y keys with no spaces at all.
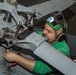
{"x":10,"y":56}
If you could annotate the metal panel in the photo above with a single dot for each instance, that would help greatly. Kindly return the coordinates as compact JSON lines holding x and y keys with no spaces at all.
{"x":50,"y":6}
{"x":56,"y":59}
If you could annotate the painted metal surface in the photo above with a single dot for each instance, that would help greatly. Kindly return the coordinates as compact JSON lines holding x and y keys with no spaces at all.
{"x":49,"y":6}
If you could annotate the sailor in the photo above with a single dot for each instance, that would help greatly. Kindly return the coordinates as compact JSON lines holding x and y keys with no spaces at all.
{"x":55,"y":30}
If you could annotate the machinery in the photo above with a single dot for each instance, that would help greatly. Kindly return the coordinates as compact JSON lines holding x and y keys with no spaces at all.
{"x":14,"y":19}
{"x":16,"y":22}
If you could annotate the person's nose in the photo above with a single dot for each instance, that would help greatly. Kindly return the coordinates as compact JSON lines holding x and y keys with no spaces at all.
{"x":45,"y":32}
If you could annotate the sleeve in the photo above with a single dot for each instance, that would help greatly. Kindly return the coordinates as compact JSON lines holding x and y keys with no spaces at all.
{"x":41,"y":68}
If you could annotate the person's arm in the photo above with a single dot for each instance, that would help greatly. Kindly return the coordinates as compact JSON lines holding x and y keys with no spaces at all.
{"x":41,"y":68}
{"x":32,"y":65}
{"x":25,"y":62}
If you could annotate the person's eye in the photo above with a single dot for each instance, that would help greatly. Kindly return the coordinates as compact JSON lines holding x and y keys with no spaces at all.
{"x":49,"y":31}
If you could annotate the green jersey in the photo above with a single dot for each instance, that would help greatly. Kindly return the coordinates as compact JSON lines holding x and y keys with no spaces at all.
{"x":41,"y":68}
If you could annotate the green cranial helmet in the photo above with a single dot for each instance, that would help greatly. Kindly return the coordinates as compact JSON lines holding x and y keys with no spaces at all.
{"x":57,"y":21}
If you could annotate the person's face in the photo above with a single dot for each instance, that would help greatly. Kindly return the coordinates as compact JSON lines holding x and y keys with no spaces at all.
{"x":49,"y":32}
